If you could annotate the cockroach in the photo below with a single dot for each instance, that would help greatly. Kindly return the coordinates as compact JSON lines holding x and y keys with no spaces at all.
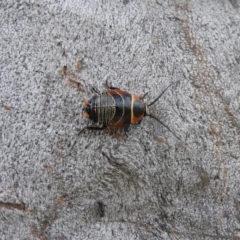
{"x":116,"y":108}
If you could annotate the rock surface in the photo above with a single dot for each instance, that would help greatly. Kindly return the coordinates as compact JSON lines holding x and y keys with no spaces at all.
{"x":144,"y":184}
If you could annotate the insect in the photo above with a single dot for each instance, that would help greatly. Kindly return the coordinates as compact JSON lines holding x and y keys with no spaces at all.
{"x":116,"y":108}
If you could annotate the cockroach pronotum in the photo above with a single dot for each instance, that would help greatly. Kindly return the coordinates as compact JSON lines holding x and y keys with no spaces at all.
{"x":115,"y":108}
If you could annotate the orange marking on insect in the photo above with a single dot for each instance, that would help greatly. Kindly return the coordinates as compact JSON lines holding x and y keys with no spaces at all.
{"x":85,"y":114}
{"x":85,"y":102}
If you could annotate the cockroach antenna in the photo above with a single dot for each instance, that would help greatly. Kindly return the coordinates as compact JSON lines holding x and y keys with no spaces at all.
{"x":152,"y":116}
{"x":150,"y":104}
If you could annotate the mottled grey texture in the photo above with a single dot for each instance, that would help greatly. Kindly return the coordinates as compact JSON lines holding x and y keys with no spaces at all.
{"x":55,"y":184}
